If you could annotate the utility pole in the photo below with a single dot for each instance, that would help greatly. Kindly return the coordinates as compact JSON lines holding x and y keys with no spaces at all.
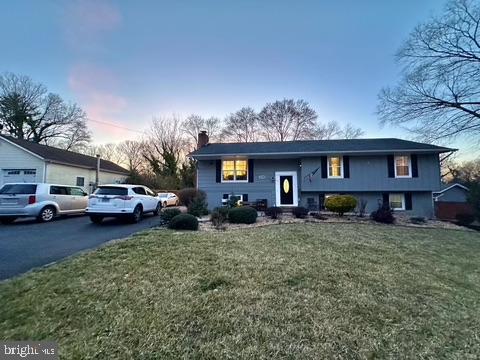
{"x":97,"y":172}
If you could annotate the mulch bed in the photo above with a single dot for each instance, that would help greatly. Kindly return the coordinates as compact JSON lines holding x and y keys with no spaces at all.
{"x":262,"y":220}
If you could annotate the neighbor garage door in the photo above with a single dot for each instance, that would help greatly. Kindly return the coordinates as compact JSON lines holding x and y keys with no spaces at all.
{"x":19,"y":175}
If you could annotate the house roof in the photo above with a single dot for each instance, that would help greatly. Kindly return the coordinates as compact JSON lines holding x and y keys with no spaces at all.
{"x":65,"y":157}
{"x":314,"y":147}
{"x":446,"y":187}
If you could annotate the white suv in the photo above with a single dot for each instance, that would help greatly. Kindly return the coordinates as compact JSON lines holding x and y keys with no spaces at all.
{"x":129,"y":201}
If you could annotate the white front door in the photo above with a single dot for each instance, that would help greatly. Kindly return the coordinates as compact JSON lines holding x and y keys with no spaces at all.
{"x":286,"y":189}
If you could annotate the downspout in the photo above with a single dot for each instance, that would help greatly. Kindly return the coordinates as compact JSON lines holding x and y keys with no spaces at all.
{"x":45,"y":171}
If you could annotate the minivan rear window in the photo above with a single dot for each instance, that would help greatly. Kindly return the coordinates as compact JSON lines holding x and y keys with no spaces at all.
{"x":20,"y":189}
{"x":111,"y":190}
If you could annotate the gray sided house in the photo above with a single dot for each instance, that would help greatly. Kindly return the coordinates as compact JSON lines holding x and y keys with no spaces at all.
{"x":303,"y":173}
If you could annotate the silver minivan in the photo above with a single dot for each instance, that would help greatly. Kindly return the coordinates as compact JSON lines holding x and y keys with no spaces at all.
{"x":40,"y":200}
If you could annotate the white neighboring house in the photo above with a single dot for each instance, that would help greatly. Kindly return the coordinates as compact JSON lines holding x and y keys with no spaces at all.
{"x":26,"y":161}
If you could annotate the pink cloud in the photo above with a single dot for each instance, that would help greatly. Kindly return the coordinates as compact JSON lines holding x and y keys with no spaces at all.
{"x":96,"y":90}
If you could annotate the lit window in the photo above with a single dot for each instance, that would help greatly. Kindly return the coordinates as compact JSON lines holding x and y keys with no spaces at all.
{"x":402,"y":166}
{"x":397,"y":201}
{"x":235,"y":170}
{"x":335,"y":168}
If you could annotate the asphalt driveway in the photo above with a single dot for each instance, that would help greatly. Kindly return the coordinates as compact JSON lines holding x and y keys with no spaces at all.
{"x":25,"y":244}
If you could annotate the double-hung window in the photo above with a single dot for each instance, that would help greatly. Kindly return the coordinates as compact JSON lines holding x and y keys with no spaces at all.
{"x":403,"y":166}
{"x":397,"y":201}
{"x":234,"y":170}
{"x":335,"y":167}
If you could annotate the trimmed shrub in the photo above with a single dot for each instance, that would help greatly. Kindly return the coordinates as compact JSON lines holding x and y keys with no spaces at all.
{"x":218,"y":217}
{"x":198,"y":205}
{"x":384,"y":215}
{"x":187,"y":195}
{"x":300,"y":212}
{"x":233,"y":201}
{"x":340,"y":204}
{"x":184,"y":222}
{"x":242,"y":215}
{"x":465,"y":218}
{"x":274,"y":212}
{"x":168,"y":214}
{"x":222,"y":210}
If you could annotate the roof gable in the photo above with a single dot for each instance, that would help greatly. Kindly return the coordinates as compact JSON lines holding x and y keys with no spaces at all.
{"x":451,"y":186}
{"x":65,"y":157}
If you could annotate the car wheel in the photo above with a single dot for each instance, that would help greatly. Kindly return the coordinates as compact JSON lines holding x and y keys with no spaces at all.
{"x":7,"y":220}
{"x":137,"y":214}
{"x":157,"y":209}
{"x":96,"y":219}
{"x":46,"y":214}
{"x":165,"y":204}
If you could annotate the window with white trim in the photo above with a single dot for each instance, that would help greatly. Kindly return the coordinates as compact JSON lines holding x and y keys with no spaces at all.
{"x":335,"y":167}
{"x":235,"y":170}
{"x":403,"y":166}
{"x":239,"y":199}
{"x":397,"y":201}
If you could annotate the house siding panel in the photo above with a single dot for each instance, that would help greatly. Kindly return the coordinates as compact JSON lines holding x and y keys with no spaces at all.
{"x":368,"y":179}
{"x":421,"y":202}
{"x":370,"y":173}
{"x":13,"y":157}
{"x":455,"y":194}
{"x":67,"y":175}
{"x":263,"y":186}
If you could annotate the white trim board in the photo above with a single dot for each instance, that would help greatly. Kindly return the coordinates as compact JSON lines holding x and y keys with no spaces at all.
{"x":451,"y":187}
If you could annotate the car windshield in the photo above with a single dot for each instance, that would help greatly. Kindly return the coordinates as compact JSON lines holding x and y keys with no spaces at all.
{"x":163,"y":195}
{"x":10,"y":189}
{"x":111,"y":190}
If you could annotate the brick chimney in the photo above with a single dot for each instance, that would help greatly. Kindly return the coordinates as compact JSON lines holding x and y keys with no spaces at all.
{"x":202,"y":139}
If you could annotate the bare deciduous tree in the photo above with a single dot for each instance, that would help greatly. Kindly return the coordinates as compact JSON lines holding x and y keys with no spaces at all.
{"x":333,"y":130}
{"x":327,"y":131}
{"x":193,"y":124}
{"x":467,"y":172}
{"x":110,"y":152}
{"x":288,"y":120}
{"x":438,"y":97}
{"x":351,"y":132}
{"x":132,"y":151}
{"x":28,"y":111}
{"x":241,"y":126}
{"x":165,"y":146}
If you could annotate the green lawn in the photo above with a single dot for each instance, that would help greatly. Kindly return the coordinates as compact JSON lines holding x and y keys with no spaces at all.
{"x":286,"y":291}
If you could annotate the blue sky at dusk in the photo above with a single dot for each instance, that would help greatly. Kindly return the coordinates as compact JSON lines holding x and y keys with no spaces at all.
{"x":127,"y":61}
